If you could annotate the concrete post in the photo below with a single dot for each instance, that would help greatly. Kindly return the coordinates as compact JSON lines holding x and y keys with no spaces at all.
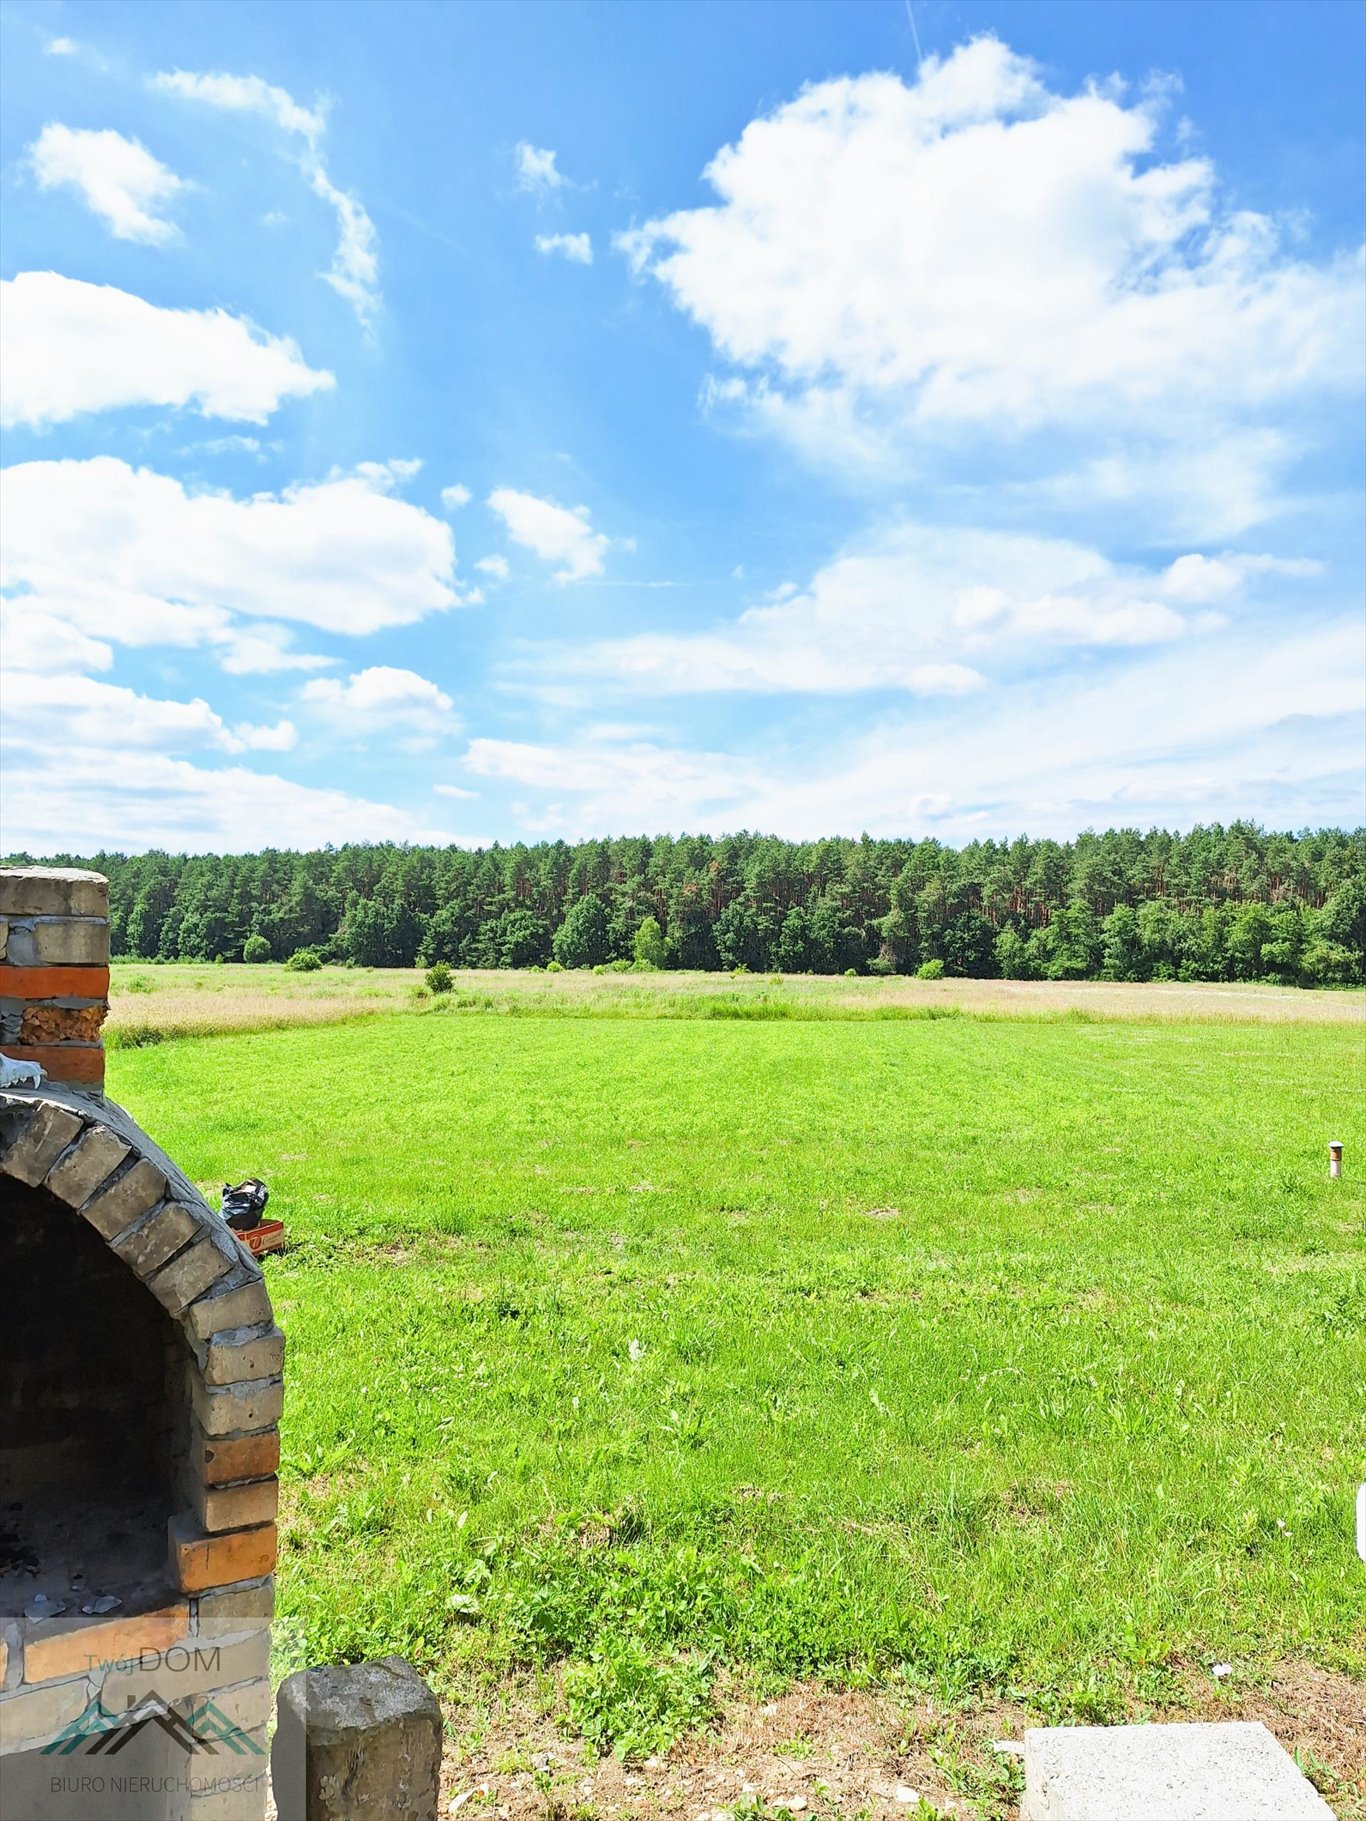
{"x":357,"y":1743}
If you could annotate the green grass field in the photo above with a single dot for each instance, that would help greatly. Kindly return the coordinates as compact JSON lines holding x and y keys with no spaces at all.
{"x":152,"y":1002}
{"x":1025,"y":1354}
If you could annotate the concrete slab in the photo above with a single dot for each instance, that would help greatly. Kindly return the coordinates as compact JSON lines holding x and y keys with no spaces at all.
{"x":1220,"y":1771}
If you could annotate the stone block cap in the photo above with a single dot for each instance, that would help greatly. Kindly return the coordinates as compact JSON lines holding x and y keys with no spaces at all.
{"x":52,"y":891}
{"x":360,"y":1697}
{"x":1230,"y":1770}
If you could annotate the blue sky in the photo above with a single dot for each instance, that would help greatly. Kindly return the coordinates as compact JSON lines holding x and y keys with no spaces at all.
{"x":507,"y":421}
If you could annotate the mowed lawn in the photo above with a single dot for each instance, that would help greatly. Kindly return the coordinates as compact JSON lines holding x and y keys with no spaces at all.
{"x":1028,"y":1355}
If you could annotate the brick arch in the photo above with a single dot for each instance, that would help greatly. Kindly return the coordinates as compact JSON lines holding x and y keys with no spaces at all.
{"x":89,"y":1156}
{"x":103,"y":1166}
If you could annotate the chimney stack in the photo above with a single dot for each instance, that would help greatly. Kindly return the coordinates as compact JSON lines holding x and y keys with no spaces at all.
{"x":54,"y":970}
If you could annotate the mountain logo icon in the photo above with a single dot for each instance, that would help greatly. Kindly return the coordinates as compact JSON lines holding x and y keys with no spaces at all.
{"x":205,"y":1729}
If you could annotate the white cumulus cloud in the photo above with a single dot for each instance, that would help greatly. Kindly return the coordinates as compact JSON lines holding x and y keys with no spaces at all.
{"x":536,"y":170}
{"x":280,"y":736}
{"x":563,"y":535}
{"x":258,"y":649}
{"x":1198,"y":579}
{"x":87,"y":797}
{"x":496,"y":566}
{"x":456,"y":496}
{"x":134,"y":557}
{"x":576,"y":248}
{"x":918,"y":608}
{"x":973,"y":251}
{"x":33,"y":640}
{"x":91,"y":713}
{"x":615,"y":785}
{"x":246,"y":95}
{"x":380,"y":694}
{"x":1279,"y":737}
{"x":354,"y":273}
{"x":1266,"y":728}
{"x":117,"y":178}
{"x":68,"y":347}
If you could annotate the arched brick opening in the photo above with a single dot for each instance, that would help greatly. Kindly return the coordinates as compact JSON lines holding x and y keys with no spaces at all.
{"x":89,"y":1365}
{"x":140,"y":1392}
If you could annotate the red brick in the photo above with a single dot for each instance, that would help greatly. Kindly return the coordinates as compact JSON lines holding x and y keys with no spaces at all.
{"x":53,"y":982}
{"x":79,"y":1644}
{"x":242,"y":1457}
{"x":82,"y":1063}
{"x":236,"y":1507}
{"x":200,"y":1562}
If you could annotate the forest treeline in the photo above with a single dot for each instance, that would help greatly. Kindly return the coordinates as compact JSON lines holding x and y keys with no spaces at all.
{"x":1235,"y":903}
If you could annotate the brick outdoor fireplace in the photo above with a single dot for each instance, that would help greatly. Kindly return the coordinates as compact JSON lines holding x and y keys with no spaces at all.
{"x":140,"y":1389}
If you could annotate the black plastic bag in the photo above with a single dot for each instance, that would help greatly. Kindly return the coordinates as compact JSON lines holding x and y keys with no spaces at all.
{"x":244,"y":1203}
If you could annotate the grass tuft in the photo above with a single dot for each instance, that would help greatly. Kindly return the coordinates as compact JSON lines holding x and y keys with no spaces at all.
{"x":624,"y":1700}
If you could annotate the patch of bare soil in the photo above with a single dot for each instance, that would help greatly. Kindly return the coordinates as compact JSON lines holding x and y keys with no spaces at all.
{"x":825,"y":1755}
{"x":810,"y":1753}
